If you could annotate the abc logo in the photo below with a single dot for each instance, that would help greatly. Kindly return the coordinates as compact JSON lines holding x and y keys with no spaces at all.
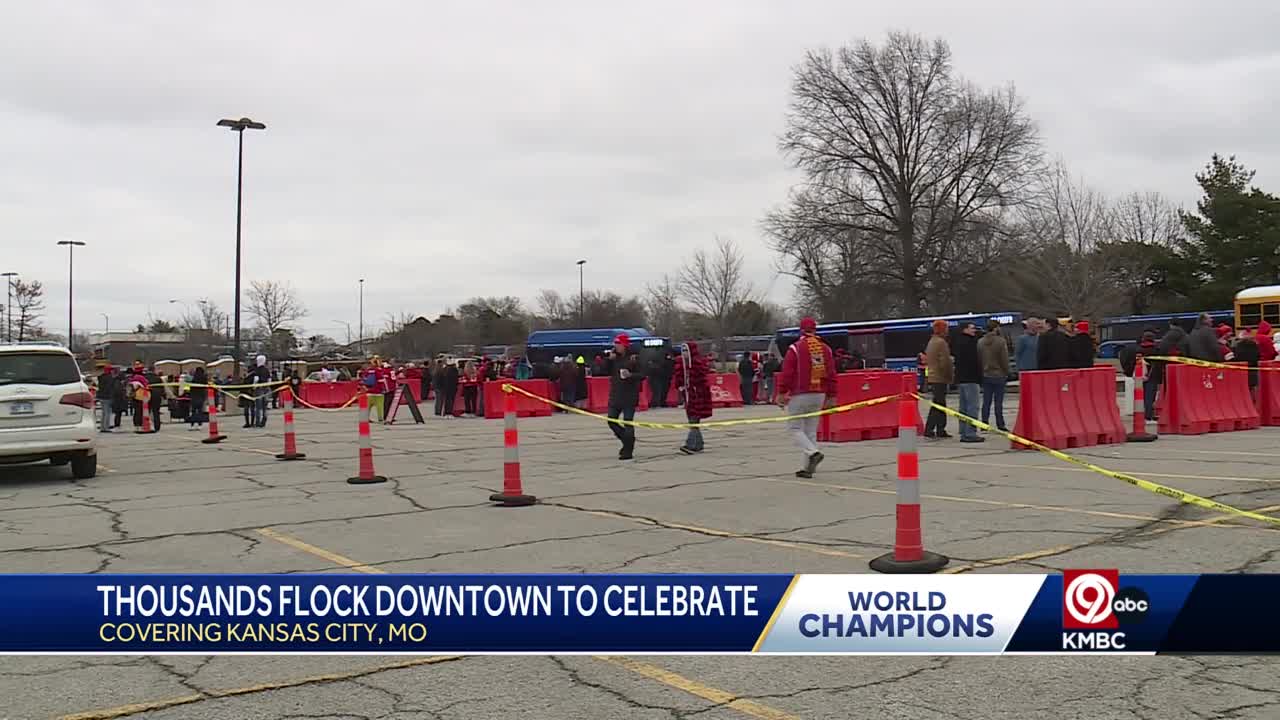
{"x":1131,"y":605}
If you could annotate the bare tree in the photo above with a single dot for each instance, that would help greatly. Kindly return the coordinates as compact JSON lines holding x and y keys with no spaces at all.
{"x":275,"y":305}
{"x":553,"y":311}
{"x":1066,"y":267}
{"x":662,"y":302}
{"x":28,"y":300}
{"x":904,"y":163}
{"x":714,"y":283}
{"x":1146,"y":231}
{"x":206,"y":317}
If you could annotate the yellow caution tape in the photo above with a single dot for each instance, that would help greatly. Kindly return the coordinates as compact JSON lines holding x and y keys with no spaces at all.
{"x":1157,"y":488}
{"x":340,"y":408}
{"x":689,"y":426}
{"x":1207,"y":364}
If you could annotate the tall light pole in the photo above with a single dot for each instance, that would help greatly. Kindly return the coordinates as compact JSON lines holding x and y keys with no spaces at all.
{"x":106,"y":327}
{"x":238,"y":127}
{"x":361,"y":326}
{"x":71,"y":252}
{"x":8,"y":308}
{"x":581,"y":293}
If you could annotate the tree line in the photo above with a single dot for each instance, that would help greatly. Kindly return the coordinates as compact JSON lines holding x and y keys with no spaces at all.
{"x":924,"y":193}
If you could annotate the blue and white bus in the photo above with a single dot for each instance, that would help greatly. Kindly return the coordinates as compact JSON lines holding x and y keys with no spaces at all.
{"x":895,"y":344}
{"x":1115,"y":333}
{"x":544,"y":346}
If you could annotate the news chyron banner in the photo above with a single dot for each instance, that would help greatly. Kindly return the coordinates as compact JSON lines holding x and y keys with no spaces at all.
{"x":1079,"y":611}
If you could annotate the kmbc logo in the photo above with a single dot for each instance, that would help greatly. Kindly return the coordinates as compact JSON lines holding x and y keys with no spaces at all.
{"x":1092,"y":600}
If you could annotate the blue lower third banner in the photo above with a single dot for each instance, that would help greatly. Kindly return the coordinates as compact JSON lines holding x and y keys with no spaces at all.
{"x":1078,"y":611}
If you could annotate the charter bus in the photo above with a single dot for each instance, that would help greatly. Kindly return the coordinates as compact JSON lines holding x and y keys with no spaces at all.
{"x":895,"y":344}
{"x":544,"y":346}
{"x":1255,"y":304}
{"x":1115,"y":333}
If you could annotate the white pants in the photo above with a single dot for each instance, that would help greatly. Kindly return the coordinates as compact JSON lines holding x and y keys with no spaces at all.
{"x":805,"y":430}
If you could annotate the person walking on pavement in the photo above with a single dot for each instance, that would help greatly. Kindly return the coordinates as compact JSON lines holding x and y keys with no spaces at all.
{"x":993,"y":351}
{"x":806,"y":383}
{"x":568,"y":377}
{"x":156,"y":384}
{"x":691,"y":378}
{"x":260,"y":376}
{"x":437,"y":385}
{"x":625,"y":378}
{"x":1024,"y":349}
{"x":580,"y":385}
{"x":107,"y":381}
{"x":968,"y":379}
{"x":746,"y":376}
{"x":939,"y":373}
{"x":768,"y":371}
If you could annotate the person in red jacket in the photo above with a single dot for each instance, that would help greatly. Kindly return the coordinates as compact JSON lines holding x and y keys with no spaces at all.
{"x":807,"y":380}
{"x":1266,"y":344}
{"x":691,"y":380}
{"x":1224,"y":341}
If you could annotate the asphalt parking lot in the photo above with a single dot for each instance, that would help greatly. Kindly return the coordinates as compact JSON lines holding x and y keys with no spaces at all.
{"x":167,"y":503}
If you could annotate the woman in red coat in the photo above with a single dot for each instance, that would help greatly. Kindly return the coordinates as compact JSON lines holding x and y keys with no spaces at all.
{"x":692,"y":378}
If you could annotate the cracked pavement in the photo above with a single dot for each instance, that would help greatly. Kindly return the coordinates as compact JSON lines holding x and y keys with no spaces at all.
{"x":166,"y":503}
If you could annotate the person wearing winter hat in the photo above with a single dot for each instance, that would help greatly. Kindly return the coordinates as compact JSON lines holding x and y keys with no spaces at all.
{"x":939,"y":373}
{"x":625,"y":379}
{"x":1224,"y":342}
{"x":1266,"y":344}
{"x":805,"y":385}
{"x":1081,"y":349}
{"x":259,"y":375}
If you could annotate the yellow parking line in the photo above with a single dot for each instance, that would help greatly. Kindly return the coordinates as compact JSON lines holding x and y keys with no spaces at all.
{"x":693,"y":687}
{"x":151,"y":706}
{"x":1063,"y":468}
{"x":319,"y":552}
{"x":653,"y":672}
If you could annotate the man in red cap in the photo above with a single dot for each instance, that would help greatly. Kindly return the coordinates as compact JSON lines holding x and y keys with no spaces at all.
{"x":1082,"y":350}
{"x":625,"y":378}
{"x":807,"y":380}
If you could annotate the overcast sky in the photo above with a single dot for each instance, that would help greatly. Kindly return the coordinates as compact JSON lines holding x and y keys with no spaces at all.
{"x":446,"y":150}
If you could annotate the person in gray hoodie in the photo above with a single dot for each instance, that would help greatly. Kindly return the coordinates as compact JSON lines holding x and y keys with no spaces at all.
{"x":1202,"y":344}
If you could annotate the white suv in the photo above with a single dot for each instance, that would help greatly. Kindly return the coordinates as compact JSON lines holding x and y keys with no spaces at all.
{"x":46,"y":411}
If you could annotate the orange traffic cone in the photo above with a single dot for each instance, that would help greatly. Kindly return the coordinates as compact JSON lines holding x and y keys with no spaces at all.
{"x":512,"y":494}
{"x":290,"y":442}
{"x":366,"y":475}
{"x":212,"y":403}
{"x":909,"y":555}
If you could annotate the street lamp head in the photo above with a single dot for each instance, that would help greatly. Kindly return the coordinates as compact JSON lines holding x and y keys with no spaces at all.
{"x":241,"y":125}
{"x":77,"y":243}
{"x":582,"y":262}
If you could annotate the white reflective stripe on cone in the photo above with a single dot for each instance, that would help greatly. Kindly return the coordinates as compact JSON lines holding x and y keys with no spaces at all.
{"x":908,"y":492}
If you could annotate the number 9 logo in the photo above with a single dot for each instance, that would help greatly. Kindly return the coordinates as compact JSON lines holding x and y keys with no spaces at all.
{"x":1088,"y":599}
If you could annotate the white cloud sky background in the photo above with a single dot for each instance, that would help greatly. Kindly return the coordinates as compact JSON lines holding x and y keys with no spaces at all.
{"x":444,"y":150}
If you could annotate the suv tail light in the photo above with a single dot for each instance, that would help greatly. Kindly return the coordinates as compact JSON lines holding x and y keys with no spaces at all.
{"x":79,"y":399}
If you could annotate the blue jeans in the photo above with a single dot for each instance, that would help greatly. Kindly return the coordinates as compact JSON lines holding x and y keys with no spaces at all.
{"x":993,"y":391}
{"x":969,"y":407}
{"x":694,"y":440}
{"x":106,"y":414}
{"x":260,"y":407}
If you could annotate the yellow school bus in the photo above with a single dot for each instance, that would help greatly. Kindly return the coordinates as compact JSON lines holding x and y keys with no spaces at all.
{"x":1255,"y":304}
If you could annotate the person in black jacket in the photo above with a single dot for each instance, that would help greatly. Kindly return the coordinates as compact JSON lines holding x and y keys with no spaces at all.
{"x":436,"y":371}
{"x":746,"y":377}
{"x":106,"y":395}
{"x":1082,"y":350}
{"x":1053,"y":351}
{"x":119,"y":397}
{"x":450,"y":388}
{"x":158,"y":395}
{"x":625,"y":378}
{"x":197,"y":394}
{"x":964,"y":348}
{"x":1202,"y":344}
{"x":1245,"y":350}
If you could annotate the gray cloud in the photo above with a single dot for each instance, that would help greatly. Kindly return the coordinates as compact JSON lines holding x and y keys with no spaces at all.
{"x":450,"y":149}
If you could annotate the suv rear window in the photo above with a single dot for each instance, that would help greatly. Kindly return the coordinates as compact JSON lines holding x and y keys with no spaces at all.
{"x":38,"y":368}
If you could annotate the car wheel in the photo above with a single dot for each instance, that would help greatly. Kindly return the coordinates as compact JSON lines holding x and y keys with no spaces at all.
{"x":84,"y":466}
{"x":59,"y":460}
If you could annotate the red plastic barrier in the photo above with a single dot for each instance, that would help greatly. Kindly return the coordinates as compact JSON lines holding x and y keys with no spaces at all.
{"x":1269,"y":393}
{"x":1196,"y":400}
{"x":1064,"y":409}
{"x":876,"y":422}
{"x":525,"y":405}
{"x":329,"y":395}
{"x":726,"y":390}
